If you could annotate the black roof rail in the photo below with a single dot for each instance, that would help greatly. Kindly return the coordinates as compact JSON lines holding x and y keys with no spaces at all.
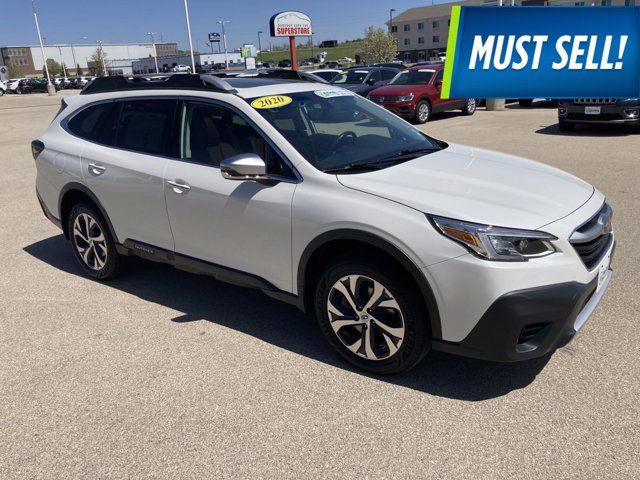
{"x":178,"y":81}
{"x":274,"y":73}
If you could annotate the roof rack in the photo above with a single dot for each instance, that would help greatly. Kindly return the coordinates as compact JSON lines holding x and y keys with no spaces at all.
{"x":178,"y":81}
{"x":274,"y":73}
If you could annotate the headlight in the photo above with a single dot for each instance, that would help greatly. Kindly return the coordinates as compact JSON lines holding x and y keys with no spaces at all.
{"x":495,"y":243}
{"x":405,"y":98}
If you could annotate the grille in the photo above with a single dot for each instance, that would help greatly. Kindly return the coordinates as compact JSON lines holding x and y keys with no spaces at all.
{"x":383,"y":99}
{"x":597,"y":101}
{"x":591,"y":239}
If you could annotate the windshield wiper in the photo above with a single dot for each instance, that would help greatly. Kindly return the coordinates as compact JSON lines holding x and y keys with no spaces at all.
{"x":401,"y":156}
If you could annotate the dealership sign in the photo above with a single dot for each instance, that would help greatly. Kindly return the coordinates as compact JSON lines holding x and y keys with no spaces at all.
{"x":542,"y":52}
{"x":290,"y":24}
{"x":214,"y":37}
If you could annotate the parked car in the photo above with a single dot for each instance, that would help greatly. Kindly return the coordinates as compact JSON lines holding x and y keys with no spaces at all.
{"x":13,"y":85}
{"x":3,"y":88}
{"x":598,"y":111}
{"x":363,"y":80}
{"x":286,"y":63}
{"x":415,"y":94}
{"x":327,"y":73}
{"x":324,"y":200}
{"x":396,"y":65}
{"x":181,"y":68}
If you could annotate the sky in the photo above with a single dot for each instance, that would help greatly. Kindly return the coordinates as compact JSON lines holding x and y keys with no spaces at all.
{"x":120,"y":21}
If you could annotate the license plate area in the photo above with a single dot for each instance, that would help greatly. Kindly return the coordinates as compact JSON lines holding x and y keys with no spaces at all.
{"x":603,"y":269}
{"x":592,"y":110}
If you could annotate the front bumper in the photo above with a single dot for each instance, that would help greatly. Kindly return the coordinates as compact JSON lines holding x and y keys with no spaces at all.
{"x":609,"y":114}
{"x":404,"y":109}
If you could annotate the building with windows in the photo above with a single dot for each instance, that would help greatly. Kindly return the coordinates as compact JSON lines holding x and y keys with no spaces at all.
{"x":422,"y":32}
{"x":118,"y":57}
{"x":203,"y":61}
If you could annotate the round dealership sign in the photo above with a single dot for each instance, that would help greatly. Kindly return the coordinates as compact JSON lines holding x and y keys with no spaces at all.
{"x":290,"y":24}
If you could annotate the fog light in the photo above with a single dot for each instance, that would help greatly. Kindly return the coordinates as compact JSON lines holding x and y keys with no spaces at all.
{"x":632,"y":113}
{"x":562,"y":111}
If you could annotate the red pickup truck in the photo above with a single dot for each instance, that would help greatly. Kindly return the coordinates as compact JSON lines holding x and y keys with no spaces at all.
{"x":414,"y":94}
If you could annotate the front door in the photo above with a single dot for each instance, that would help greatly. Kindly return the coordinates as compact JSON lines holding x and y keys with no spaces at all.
{"x":243,"y":225}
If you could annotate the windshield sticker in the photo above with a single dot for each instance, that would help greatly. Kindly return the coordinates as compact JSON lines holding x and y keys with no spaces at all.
{"x":272,"y":101}
{"x":404,"y":71}
{"x":362,"y":71}
{"x":334,"y":93}
{"x":424,"y":70}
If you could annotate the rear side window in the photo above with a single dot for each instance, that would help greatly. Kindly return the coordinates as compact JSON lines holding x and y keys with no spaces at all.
{"x":389,"y":74}
{"x":145,"y":125}
{"x":86,"y":124}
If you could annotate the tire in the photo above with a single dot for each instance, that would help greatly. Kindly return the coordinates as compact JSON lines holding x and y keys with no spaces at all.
{"x":382,"y":340}
{"x":423,"y":112}
{"x":470,"y":107}
{"x":525,"y":102}
{"x":92,"y":243}
{"x":565,"y":126}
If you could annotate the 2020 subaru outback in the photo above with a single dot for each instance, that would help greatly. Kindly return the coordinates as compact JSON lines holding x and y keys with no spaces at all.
{"x":397,"y":242}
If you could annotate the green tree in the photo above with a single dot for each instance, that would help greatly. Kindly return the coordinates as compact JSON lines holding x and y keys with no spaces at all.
{"x":378,"y":46}
{"x":55,"y":69}
{"x":14,"y":71}
{"x":97,"y":61}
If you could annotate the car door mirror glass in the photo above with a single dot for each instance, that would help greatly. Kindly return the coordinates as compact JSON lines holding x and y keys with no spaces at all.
{"x":246,"y":166}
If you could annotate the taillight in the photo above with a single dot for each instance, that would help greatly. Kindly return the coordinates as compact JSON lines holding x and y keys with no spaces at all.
{"x":36,"y":148}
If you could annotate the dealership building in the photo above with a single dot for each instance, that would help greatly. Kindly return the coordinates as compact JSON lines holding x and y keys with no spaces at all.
{"x":118,"y":56}
{"x":422,"y":32}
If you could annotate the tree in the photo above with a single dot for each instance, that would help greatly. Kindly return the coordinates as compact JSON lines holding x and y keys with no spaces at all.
{"x":97,"y":61}
{"x":55,"y":69}
{"x":378,"y":46}
{"x":14,"y":71}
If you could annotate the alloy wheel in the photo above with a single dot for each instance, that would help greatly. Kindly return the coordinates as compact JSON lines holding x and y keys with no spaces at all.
{"x":365,"y":317}
{"x":471,"y":105}
{"x":423,"y":112}
{"x":89,"y":241}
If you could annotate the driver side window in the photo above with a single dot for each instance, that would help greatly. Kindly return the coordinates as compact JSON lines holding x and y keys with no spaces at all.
{"x":211,"y":133}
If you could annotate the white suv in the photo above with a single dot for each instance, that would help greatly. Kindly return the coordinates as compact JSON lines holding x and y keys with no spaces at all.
{"x":397,"y":242}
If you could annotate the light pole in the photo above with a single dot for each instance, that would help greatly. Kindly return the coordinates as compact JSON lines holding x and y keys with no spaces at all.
{"x":259,"y":45}
{"x":64,"y":70}
{"x":153,"y":45}
{"x":224,"y":39}
{"x":50,"y":88}
{"x":104,"y":65}
{"x":186,"y":14}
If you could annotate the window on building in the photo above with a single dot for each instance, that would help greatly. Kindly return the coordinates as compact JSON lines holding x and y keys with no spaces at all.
{"x":394,"y":29}
{"x":421,"y":26}
{"x":407,"y":28}
{"x":436,"y":39}
{"x":420,"y":40}
{"x":436,"y":24}
{"x":407,"y":42}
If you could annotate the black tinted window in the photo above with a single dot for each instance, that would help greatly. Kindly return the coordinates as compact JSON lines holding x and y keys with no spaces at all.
{"x":389,"y":74}
{"x":211,"y":133}
{"x":144,"y":125}
{"x":375,"y":75}
{"x":86,"y":124}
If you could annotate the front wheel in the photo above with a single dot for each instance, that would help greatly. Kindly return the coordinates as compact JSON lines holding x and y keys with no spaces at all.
{"x":372,"y":315}
{"x":92,"y":243}
{"x":470,"y":107}
{"x":423,"y":112}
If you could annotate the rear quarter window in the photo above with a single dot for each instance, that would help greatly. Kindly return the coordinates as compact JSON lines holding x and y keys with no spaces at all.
{"x":86,"y":124}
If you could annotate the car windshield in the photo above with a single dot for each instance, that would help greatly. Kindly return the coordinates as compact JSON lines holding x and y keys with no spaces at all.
{"x":350,"y":77}
{"x":338,"y":130}
{"x":413,"y":77}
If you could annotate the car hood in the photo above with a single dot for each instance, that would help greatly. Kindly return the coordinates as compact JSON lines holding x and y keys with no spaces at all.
{"x":395,"y":90}
{"x":479,"y":186}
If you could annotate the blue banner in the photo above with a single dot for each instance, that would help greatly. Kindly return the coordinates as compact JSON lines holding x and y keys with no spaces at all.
{"x":543,"y":52}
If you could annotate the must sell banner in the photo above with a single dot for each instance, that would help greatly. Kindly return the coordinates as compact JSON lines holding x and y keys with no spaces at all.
{"x":543,"y":52}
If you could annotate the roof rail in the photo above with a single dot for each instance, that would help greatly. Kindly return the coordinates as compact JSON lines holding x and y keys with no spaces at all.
{"x":275,"y":73}
{"x":178,"y":81}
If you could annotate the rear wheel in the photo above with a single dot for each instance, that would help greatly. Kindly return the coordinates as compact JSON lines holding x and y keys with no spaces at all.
{"x":372,"y":315}
{"x":423,"y":112}
{"x":92,"y":243}
{"x":470,"y":107}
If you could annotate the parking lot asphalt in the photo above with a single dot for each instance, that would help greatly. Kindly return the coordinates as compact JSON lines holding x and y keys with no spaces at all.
{"x":165,"y":374}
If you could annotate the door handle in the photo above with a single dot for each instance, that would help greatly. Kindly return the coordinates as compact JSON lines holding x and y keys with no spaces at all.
{"x":178,"y":187}
{"x":96,"y":169}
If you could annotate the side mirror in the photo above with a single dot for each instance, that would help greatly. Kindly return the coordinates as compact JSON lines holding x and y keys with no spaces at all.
{"x":438,"y":83}
{"x":371,"y":82}
{"x":246,"y":166}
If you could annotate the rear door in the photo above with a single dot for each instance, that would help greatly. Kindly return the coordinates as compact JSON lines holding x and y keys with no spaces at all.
{"x":124,"y":167}
{"x":440,"y":104}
